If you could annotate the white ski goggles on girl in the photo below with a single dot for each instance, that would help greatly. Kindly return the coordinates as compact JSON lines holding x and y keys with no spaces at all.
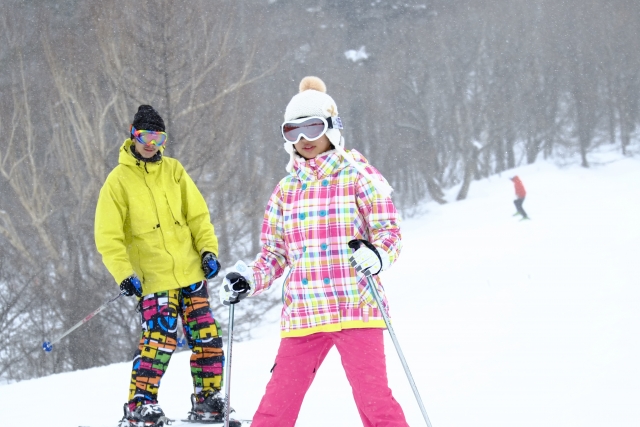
{"x":311,"y":128}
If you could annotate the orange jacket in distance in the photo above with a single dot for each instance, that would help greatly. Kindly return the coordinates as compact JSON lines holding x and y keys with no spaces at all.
{"x":520,"y":191}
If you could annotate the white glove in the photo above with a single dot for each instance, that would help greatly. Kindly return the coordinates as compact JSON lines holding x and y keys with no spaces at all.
{"x":237,"y":285}
{"x":367,"y":259}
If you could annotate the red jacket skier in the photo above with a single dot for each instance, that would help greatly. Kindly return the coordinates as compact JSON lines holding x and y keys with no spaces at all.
{"x":520,"y":191}
{"x":520,"y":194}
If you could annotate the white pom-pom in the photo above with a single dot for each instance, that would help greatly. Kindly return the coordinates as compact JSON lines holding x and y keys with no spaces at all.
{"x":314,"y":83}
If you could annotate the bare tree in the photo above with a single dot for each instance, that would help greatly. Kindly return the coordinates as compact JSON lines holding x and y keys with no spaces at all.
{"x":450,"y":92}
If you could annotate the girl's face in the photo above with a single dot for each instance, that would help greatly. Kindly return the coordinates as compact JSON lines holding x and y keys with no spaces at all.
{"x":146,"y":151}
{"x":311,"y":149}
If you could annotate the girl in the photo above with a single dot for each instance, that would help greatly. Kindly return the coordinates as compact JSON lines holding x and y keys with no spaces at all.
{"x":329,"y":198}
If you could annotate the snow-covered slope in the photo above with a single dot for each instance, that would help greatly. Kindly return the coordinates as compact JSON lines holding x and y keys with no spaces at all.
{"x":503,"y":322}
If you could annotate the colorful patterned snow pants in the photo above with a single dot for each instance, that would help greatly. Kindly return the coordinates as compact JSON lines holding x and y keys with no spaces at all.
{"x":298,"y":361}
{"x":159,"y":318}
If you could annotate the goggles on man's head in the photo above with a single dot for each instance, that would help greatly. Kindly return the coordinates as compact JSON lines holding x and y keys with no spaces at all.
{"x":149,"y":137}
{"x":311,"y":128}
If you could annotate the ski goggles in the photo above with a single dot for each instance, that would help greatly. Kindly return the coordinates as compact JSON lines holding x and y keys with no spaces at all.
{"x":311,"y":128}
{"x":149,"y":137}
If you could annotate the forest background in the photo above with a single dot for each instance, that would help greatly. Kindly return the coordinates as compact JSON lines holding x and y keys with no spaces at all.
{"x":435,"y":93}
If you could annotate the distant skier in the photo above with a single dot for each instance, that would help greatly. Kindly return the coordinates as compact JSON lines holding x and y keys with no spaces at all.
{"x":520,"y":195}
{"x":330,"y":197}
{"x":154,"y":232}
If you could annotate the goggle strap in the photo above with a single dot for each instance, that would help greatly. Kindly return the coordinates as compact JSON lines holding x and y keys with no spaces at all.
{"x":334,"y":123}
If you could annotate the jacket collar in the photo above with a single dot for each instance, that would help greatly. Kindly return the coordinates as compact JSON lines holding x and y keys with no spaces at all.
{"x":323,"y":165}
{"x":127,"y":158}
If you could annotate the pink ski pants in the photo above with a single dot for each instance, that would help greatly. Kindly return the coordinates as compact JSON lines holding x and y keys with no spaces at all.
{"x":298,"y":360}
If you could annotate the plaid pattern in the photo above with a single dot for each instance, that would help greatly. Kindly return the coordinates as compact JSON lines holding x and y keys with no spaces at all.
{"x":311,"y":216}
{"x":159,"y":318}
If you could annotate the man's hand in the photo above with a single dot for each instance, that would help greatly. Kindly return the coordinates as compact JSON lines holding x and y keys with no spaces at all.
{"x":131,"y":286}
{"x":210,"y":265}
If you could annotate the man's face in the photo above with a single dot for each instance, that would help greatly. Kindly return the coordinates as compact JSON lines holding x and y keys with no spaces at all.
{"x":147,"y":142}
{"x":146,"y":151}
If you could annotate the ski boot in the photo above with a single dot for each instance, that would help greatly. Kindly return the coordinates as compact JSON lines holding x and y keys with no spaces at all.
{"x":149,"y":415}
{"x":210,"y":410}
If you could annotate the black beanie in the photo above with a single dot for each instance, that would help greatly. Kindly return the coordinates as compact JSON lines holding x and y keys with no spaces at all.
{"x":148,"y":119}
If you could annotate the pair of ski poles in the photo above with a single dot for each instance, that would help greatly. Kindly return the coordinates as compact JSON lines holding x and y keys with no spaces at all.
{"x":47,"y":346}
{"x":387,"y":321}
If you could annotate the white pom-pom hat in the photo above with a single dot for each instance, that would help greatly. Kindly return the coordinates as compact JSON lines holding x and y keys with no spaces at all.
{"x":312,"y":100}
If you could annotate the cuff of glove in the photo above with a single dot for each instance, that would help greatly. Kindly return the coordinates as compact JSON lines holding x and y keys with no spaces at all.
{"x":384,"y":258}
{"x":252,"y":286}
{"x":247,"y":273}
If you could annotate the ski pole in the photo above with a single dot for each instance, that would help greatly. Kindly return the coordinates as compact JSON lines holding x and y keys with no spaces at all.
{"x":227,"y":369}
{"x":47,"y":346}
{"x":354,"y":244}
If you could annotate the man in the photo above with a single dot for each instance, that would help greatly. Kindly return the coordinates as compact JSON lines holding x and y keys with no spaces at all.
{"x":155,"y":236}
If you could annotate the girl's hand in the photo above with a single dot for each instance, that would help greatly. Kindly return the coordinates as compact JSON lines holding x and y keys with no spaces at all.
{"x":366,"y":258}
{"x":235,"y":287}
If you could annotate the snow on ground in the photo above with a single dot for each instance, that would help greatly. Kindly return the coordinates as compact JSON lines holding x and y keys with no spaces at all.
{"x":503,"y":322}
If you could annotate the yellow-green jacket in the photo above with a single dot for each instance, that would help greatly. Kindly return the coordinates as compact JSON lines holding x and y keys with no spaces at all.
{"x":151,"y":219}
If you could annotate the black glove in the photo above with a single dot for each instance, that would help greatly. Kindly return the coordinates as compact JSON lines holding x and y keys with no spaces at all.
{"x":234,"y":289}
{"x":131,"y":286}
{"x":210,"y":265}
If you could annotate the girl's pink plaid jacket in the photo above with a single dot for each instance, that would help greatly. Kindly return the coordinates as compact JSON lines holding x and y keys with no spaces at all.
{"x":311,"y":216}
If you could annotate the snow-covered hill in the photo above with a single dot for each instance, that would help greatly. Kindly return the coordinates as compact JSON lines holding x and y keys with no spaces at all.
{"x":503,"y":322}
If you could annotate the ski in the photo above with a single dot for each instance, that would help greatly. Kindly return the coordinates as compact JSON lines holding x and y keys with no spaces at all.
{"x":232,"y":423}
{"x":212,"y":423}
{"x":162,"y":422}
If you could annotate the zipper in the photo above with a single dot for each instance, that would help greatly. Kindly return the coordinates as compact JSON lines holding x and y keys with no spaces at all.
{"x":164,"y":243}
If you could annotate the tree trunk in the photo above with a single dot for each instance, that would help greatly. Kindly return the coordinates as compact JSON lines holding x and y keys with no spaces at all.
{"x":469,"y":170}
